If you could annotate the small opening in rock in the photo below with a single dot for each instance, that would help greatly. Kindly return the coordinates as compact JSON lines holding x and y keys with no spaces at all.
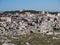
{"x":38,"y":30}
{"x":1,"y":32}
{"x":17,"y":28}
{"x":21,"y":30}
{"x":55,"y":19}
{"x":31,"y":31}
{"x":47,"y":32}
{"x":48,"y":19}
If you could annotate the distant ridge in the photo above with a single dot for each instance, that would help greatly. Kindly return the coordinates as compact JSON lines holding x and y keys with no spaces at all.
{"x":23,"y":11}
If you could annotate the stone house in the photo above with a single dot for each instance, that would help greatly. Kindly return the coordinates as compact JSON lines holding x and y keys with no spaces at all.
{"x":46,"y":26}
{"x":7,"y":19}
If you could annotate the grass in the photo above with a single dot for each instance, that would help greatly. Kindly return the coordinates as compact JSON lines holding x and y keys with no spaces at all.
{"x":0,"y":43}
{"x":57,"y":30}
{"x":34,"y":39}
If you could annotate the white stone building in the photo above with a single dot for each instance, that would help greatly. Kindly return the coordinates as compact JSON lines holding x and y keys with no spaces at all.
{"x":58,"y":14}
{"x":7,"y":19}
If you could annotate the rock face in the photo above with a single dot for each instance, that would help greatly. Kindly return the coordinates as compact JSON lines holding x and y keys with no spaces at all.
{"x":31,"y":23}
{"x":46,"y":26}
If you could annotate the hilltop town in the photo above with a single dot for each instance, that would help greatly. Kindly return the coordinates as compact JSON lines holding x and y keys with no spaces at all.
{"x":28,"y":22}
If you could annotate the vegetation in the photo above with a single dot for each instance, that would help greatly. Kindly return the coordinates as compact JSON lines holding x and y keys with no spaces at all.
{"x":0,"y":43}
{"x":57,"y":30}
{"x":34,"y":39}
{"x":53,"y":12}
{"x":17,"y":11}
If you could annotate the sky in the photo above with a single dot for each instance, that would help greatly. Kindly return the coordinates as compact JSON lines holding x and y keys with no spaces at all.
{"x":46,"y":5}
